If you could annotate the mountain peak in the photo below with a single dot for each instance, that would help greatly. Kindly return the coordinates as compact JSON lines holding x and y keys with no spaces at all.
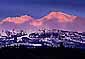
{"x":17,"y":20}
{"x":60,"y":16}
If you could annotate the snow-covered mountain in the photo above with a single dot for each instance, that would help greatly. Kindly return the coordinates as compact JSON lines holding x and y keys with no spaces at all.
{"x":58,"y":20}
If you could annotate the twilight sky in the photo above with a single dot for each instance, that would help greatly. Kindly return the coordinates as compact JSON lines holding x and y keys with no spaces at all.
{"x":39,"y":8}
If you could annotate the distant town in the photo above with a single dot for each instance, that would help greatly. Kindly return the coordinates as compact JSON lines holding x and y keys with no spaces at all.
{"x":42,"y":39}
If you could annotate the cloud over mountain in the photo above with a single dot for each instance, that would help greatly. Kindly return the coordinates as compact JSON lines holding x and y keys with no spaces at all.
{"x":58,"y":20}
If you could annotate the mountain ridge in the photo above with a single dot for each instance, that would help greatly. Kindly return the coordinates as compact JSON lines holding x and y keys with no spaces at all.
{"x":52,"y":20}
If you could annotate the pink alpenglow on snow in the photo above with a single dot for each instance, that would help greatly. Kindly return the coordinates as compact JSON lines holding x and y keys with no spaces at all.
{"x":61,"y":17}
{"x":58,"y":20}
{"x":17,"y":20}
{"x":36,"y":23}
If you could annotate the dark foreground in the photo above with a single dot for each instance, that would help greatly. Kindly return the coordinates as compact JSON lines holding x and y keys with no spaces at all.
{"x":41,"y":53}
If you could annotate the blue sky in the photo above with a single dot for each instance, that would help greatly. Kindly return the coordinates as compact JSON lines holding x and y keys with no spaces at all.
{"x":39,"y":8}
